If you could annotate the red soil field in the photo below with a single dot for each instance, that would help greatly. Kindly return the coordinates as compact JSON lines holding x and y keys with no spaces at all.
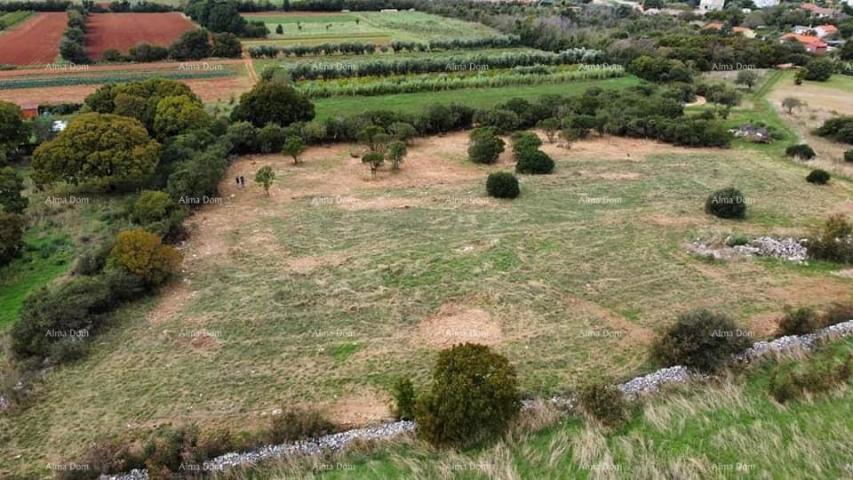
{"x":36,"y":41}
{"x":121,"y":31}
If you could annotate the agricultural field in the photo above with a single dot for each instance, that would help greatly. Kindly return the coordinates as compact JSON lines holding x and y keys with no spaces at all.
{"x":572,"y":279}
{"x":215,"y":82}
{"x":121,"y":31}
{"x":10,"y":19}
{"x":34,"y":41}
{"x":367,"y":27}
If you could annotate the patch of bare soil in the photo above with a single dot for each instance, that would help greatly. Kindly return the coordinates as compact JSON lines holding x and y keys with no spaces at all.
{"x":172,"y":301}
{"x":763,"y":325}
{"x":665,"y":220}
{"x":363,"y":407}
{"x":812,"y":291}
{"x":454,"y":324}
{"x":627,"y":330}
{"x":845,"y":273}
{"x":612,"y":148}
{"x":305,"y":265}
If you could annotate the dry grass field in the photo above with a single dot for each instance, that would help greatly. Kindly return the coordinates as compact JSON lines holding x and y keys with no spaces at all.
{"x":337,"y":283}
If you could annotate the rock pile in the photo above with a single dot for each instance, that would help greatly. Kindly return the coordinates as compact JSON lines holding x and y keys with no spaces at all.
{"x":653,"y":381}
{"x":788,"y":249}
{"x":794,"y":342}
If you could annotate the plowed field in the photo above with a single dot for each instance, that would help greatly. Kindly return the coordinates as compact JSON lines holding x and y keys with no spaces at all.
{"x":35,"y":41}
{"x":121,"y":31}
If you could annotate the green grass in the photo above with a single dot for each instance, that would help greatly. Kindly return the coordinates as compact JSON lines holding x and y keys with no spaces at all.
{"x":10,"y":19}
{"x":319,"y":301}
{"x":478,"y":97}
{"x":47,"y":255}
{"x":373,"y":27}
{"x":729,"y":430}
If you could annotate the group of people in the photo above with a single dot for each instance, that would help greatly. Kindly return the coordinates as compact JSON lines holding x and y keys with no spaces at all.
{"x":241,"y":181}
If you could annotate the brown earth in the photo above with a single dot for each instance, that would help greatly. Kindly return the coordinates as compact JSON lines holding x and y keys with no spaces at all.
{"x":36,"y":41}
{"x":120,"y":31}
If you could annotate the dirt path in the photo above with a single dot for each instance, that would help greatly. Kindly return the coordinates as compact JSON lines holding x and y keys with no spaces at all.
{"x":250,"y":67}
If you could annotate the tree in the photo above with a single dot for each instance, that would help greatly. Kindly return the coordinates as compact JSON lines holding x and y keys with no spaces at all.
{"x":151,"y":206}
{"x":396,"y":152}
{"x":701,"y":340}
{"x":192,"y":45}
{"x":485,"y":146}
{"x":833,"y":240}
{"x":143,"y":254}
{"x":265,"y":178}
{"x":502,"y":185}
{"x":271,"y":138}
{"x":819,"y":70}
{"x":11,"y":236}
{"x":474,"y":395}
{"x":226,"y":45}
{"x":550,"y":126}
{"x":97,"y":147}
{"x":175,"y":115}
{"x":11,"y":186}
{"x":374,"y":160}
{"x":372,"y":136}
{"x":524,"y":142}
{"x":273,"y":101}
{"x":747,"y":77}
{"x":13,"y":130}
{"x":279,"y":29}
{"x":294,"y":147}
{"x":791,"y":103}
{"x":569,"y":135}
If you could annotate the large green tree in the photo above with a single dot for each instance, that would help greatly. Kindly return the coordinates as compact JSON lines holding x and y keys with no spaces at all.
{"x":138,"y":99}
{"x":273,"y":101}
{"x":13,"y":130}
{"x":11,"y":236}
{"x":193,"y":45}
{"x":175,"y":115}
{"x":104,"y":148}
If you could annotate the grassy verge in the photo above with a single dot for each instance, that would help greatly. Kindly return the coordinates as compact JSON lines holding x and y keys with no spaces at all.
{"x":474,"y":97}
{"x":10,"y":19}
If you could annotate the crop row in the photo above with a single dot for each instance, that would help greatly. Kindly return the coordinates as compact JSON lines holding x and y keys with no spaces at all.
{"x":358,"y":48}
{"x":532,"y":75}
{"x":71,"y":80}
{"x":456,"y":63}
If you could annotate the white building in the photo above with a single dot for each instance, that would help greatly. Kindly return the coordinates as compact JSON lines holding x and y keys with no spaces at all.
{"x":767,"y":3}
{"x":711,"y":5}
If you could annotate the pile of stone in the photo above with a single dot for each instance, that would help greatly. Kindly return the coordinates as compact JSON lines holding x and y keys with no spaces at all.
{"x":788,"y":249}
{"x":795,"y":342}
{"x":4,"y":404}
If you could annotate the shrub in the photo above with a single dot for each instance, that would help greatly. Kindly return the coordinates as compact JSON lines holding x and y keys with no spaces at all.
{"x":837,"y":128}
{"x":832,"y":241}
{"x":293,"y":425}
{"x":11,"y":236}
{"x":151,"y":206}
{"x":404,"y":399}
{"x":271,"y":138}
{"x":142,"y":253}
{"x":605,"y":403}
{"x":243,"y":137}
{"x":848,"y":156}
{"x":790,"y":382}
{"x":192,"y":45}
{"x":374,"y":160}
{"x":523,"y":142}
{"x":226,"y":45}
{"x":726,"y":203}
{"x":503,"y":121}
{"x":534,"y":162}
{"x":485,"y":146}
{"x":818,"y":177}
{"x":502,"y":185}
{"x":474,"y":395}
{"x":145,"y":52}
{"x":112,"y":55}
{"x":802,"y":152}
{"x":798,"y":321}
{"x":837,"y":313}
{"x":273,"y":101}
{"x":819,"y":69}
{"x":701,"y":340}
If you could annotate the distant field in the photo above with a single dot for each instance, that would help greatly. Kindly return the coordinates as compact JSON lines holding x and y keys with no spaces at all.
{"x":477,"y":97}
{"x":121,"y":31}
{"x":34,"y":41}
{"x":372,"y":27}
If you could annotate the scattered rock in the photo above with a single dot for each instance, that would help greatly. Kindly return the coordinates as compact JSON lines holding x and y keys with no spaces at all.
{"x":788,"y":249}
{"x":653,"y":381}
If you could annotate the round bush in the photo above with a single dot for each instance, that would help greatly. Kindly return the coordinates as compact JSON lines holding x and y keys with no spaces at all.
{"x":502,"y":185}
{"x":802,"y":151}
{"x":143,"y":254}
{"x":534,"y":162}
{"x":701,"y":340}
{"x":798,"y":322}
{"x":474,"y":395}
{"x":485,"y":146}
{"x":606,"y":403}
{"x":848,"y":156}
{"x":818,"y":176}
{"x":726,"y":203}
